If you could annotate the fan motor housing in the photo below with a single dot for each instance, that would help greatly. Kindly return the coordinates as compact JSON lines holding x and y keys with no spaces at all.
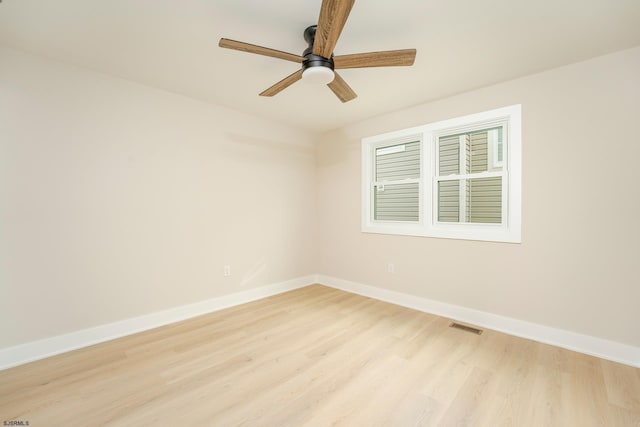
{"x":311,"y":59}
{"x":316,"y":61}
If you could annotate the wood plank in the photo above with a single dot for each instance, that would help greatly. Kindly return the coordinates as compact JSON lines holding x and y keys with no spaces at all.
{"x":388,"y":58}
{"x":259,"y":50}
{"x":320,"y":356}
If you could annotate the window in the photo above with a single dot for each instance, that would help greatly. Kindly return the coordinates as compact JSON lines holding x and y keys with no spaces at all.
{"x":458,"y":178}
{"x":397,"y":182}
{"x":469,"y":177}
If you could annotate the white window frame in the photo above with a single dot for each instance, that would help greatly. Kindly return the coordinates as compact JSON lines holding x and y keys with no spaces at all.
{"x":427,"y":225}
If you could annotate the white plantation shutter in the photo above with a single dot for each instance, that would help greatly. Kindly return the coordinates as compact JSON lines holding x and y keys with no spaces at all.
{"x":396,"y":187}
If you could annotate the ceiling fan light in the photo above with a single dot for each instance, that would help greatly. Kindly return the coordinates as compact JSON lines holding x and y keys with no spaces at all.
{"x":318,"y":75}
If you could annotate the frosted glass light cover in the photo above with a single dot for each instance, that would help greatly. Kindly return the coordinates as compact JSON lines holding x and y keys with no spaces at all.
{"x":318,"y":75}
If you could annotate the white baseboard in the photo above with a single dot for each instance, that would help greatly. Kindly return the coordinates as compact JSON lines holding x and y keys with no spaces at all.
{"x":35,"y":350}
{"x":605,"y":349}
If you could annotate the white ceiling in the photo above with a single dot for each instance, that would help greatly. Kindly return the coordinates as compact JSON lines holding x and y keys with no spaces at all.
{"x":462,"y":45}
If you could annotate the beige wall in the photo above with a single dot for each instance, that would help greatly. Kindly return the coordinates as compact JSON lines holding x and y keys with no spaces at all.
{"x":118,"y":200}
{"x":578,"y":265}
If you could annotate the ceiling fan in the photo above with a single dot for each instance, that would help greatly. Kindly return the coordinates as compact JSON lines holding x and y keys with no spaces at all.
{"x":318,"y":62}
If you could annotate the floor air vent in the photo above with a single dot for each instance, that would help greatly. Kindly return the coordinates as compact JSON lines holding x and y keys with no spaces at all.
{"x":466,"y":328}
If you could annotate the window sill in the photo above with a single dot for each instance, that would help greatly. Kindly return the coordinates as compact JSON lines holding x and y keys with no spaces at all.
{"x":487,"y":233}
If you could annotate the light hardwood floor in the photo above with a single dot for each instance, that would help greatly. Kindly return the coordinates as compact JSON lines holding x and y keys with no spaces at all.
{"x":318,"y":356}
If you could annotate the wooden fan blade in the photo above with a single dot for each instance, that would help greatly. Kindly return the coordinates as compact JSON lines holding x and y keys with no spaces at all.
{"x":388,"y":58}
{"x":333,"y":16}
{"x":283,"y":84}
{"x":342,"y":89}
{"x":251,"y":48}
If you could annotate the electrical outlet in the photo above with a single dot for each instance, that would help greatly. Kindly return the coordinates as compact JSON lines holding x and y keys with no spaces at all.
{"x":391,"y":268}
{"x":227,"y":271}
